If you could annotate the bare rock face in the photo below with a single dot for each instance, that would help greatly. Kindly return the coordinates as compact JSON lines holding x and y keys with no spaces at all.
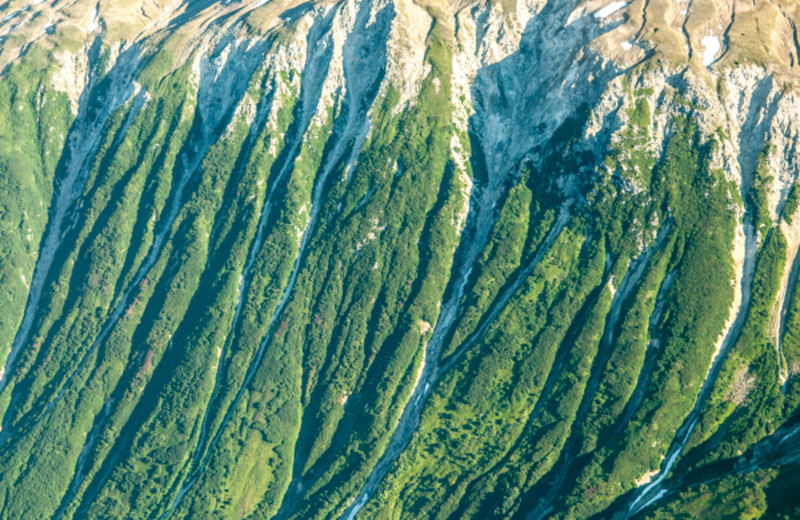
{"x":399,"y":259}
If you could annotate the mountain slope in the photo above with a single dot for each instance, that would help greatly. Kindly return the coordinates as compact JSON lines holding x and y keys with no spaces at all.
{"x":387,"y":259}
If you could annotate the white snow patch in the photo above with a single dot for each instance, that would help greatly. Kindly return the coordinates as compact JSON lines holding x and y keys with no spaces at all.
{"x":711,"y":47}
{"x":610,"y":9}
{"x":93,"y":23}
{"x":627,"y":45}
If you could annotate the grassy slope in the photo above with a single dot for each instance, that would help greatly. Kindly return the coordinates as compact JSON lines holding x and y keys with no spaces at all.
{"x":544,"y":395}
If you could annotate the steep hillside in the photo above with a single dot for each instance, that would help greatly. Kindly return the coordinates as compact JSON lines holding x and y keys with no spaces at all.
{"x":396,"y":259}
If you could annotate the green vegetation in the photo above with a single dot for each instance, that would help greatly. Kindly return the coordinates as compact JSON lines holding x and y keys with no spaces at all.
{"x":249,"y":267}
{"x":790,"y":206}
{"x":733,"y":497}
{"x":33,"y":126}
{"x":757,"y":195}
{"x":694,"y":309}
{"x":747,"y":398}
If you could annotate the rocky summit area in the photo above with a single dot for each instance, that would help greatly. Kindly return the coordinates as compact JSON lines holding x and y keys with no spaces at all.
{"x":399,"y":259}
